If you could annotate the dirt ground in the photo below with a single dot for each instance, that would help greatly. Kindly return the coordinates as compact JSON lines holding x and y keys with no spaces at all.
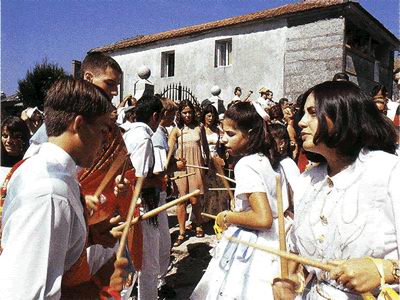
{"x":189,"y":260}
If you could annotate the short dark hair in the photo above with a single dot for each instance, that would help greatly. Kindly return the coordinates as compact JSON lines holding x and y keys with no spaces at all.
{"x":237,"y":89}
{"x":358,"y":123}
{"x":283,"y":100}
{"x":182,"y":105}
{"x":96,"y":61}
{"x":379,"y":88}
{"x":340,"y":77}
{"x":210,"y":109}
{"x":250,"y":122}
{"x":68,"y":98}
{"x":275,"y":112}
{"x":146,"y":107}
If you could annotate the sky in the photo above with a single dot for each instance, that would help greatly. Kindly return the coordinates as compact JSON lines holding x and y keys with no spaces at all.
{"x":65,"y":30}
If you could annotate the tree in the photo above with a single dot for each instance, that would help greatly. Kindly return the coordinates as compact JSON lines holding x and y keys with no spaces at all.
{"x":33,"y":89}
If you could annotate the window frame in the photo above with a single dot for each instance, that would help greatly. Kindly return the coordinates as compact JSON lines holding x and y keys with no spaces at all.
{"x":226,"y":59}
{"x":166,"y":70}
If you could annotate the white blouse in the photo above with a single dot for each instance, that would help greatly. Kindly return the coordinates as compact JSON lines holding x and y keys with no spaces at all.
{"x":352,"y":214}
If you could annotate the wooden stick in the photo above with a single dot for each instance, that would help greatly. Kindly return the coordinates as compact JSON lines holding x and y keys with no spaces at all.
{"x":157,"y":210}
{"x":296,"y":258}
{"x":209,"y":216}
{"x":281,"y":228}
{"x":182,"y":176}
{"x":124,"y":167}
{"x":182,"y":142}
{"x":221,"y":189}
{"x":219,"y":169}
{"x":117,"y":163}
{"x":227,"y":178}
{"x":196,"y":167}
{"x":136,"y":193}
{"x":170,"y":152}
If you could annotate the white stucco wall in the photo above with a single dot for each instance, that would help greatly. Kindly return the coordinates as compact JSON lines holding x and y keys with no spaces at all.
{"x":257,"y":60}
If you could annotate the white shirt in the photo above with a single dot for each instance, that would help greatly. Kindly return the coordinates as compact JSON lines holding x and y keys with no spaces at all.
{"x":160,"y":144}
{"x":355,"y":213}
{"x":291,"y":171}
{"x":44,"y":230}
{"x":138,"y":142}
{"x":262,"y":102}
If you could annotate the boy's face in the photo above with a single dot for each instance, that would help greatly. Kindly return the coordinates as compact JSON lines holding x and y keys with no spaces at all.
{"x":108,"y":80}
{"x":92,"y":136}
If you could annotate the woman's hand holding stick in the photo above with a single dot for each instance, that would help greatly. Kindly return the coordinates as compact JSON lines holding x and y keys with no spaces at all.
{"x":296,"y":258}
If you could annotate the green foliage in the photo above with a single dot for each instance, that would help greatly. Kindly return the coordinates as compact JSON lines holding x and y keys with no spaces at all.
{"x":32,"y":89}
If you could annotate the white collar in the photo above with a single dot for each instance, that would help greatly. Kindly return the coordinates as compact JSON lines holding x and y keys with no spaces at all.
{"x":58,"y":154}
{"x":140,"y":125}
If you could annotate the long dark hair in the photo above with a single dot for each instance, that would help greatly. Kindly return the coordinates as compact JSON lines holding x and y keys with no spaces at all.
{"x":14,"y":125}
{"x":260,"y":139}
{"x":358,"y":123}
{"x":210,"y":109}
{"x":182,"y":105}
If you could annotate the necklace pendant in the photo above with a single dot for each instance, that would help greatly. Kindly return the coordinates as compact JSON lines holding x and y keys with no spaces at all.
{"x":324,"y":220}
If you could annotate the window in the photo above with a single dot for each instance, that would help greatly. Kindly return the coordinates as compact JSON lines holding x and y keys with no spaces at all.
{"x":167,"y":64}
{"x":223,"y":53}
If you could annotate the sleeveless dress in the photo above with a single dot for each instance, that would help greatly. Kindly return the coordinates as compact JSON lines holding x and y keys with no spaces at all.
{"x":193,"y":155}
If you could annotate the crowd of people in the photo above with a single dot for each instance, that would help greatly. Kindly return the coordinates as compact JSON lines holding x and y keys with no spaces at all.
{"x":328,"y":159}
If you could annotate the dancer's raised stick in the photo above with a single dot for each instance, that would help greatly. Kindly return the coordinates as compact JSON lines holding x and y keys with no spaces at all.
{"x":196,"y":167}
{"x":136,"y":193}
{"x":157,"y":210}
{"x":227,"y":178}
{"x":182,"y":176}
{"x":209,"y":216}
{"x":181,"y":143}
{"x":281,"y":228}
{"x":117,"y":163}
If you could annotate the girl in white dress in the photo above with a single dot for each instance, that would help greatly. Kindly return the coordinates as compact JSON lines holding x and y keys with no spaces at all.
{"x":237,"y":271}
{"x":348,"y":210}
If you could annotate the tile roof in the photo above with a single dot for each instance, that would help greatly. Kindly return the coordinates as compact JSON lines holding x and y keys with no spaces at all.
{"x":263,"y":14}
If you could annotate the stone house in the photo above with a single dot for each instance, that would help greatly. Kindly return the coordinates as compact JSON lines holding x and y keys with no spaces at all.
{"x":287,"y":49}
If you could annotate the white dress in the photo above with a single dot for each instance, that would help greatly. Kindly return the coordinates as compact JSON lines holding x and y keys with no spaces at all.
{"x":237,"y":271}
{"x":44,"y":230}
{"x":353,"y":214}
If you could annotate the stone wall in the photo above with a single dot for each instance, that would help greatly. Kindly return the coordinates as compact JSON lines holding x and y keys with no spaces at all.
{"x":314,"y":53}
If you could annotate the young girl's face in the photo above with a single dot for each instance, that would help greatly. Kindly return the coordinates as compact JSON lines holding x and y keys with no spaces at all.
{"x":187,"y":115}
{"x":234,"y":139}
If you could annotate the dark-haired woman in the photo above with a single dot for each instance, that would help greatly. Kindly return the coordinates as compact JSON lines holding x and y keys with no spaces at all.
{"x":214,"y":201}
{"x":14,"y":140}
{"x":237,"y":271}
{"x":191,"y":135}
{"x":349,"y":207}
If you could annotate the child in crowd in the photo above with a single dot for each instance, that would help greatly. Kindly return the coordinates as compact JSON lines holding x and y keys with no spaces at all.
{"x":236,"y":271}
